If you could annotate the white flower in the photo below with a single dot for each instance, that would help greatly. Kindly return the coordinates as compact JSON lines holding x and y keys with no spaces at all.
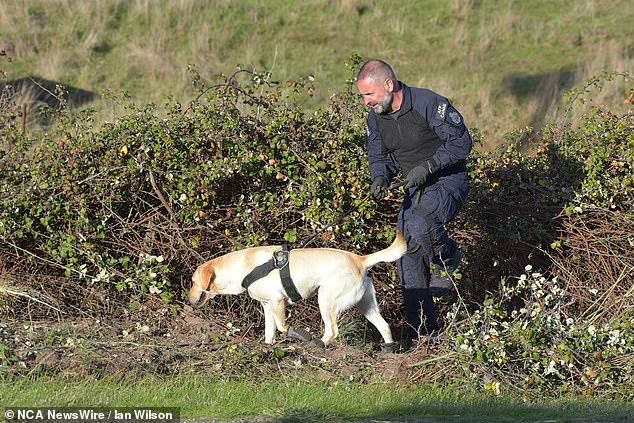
{"x":102,"y":276}
{"x":536,"y":311}
{"x":615,"y":337}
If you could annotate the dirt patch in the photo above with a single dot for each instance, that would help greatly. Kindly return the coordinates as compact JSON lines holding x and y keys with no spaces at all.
{"x":155,"y":340}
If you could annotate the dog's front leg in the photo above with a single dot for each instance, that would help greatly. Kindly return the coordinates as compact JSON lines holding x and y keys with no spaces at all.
{"x":278,"y":308}
{"x":269,"y":324}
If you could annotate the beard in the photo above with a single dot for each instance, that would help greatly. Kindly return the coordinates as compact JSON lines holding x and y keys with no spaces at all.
{"x":383,"y":105}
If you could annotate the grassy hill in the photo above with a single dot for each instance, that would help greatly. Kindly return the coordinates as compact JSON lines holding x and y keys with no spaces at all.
{"x":504,"y":63}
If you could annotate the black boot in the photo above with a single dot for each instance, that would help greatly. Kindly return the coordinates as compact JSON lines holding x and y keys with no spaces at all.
{"x":412,"y":314}
{"x":419,"y":303}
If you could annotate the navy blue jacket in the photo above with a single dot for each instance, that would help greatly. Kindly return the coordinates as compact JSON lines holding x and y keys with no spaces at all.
{"x":426,"y":130}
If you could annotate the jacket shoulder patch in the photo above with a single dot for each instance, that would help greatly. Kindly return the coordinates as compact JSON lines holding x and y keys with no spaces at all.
{"x":453,"y":117}
{"x":441,"y":110}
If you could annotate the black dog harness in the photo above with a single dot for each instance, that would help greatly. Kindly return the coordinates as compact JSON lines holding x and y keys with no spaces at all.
{"x":279,"y":261}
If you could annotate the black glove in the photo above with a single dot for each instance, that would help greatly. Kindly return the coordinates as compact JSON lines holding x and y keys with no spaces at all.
{"x":417,"y":176}
{"x":379,"y":188}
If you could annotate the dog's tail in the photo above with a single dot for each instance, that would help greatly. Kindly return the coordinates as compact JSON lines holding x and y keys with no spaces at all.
{"x":391,"y":253}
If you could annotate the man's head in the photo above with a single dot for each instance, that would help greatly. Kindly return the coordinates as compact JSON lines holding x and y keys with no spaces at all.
{"x":377,"y":84}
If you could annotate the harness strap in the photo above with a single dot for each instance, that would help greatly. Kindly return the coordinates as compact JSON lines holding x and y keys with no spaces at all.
{"x":279,"y":261}
{"x":258,"y":273}
{"x":285,"y":274}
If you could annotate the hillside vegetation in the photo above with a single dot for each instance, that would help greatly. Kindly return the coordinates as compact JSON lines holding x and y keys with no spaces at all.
{"x":505,"y":64}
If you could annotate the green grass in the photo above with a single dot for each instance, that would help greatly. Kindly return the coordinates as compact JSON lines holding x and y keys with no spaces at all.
{"x":505,"y":64}
{"x":300,"y":399}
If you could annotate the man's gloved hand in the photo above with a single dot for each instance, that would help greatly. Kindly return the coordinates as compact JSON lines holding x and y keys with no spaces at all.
{"x":379,"y":188}
{"x":417,"y":176}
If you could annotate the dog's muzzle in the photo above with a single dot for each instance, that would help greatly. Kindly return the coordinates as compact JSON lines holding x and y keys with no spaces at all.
{"x":201,"y":300}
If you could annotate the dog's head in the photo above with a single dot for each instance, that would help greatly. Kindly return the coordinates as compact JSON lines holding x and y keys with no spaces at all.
{"x":202,"y":285}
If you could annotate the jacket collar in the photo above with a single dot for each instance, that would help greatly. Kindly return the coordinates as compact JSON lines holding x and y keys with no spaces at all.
{"x":406,"y":104}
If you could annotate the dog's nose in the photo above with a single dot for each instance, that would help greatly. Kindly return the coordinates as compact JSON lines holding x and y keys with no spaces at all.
{"x":196,"y":302}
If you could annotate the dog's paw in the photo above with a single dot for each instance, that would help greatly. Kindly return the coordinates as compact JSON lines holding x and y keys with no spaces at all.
{"x":316,"y":344}
{"x":299,"y":333}
{"x":391,"y":347}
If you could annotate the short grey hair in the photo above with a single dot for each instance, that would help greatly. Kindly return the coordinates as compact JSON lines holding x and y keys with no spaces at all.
{"x":376,"y":70}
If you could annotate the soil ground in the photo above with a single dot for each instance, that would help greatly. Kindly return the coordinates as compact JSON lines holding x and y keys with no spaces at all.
{"x":154,"y":340}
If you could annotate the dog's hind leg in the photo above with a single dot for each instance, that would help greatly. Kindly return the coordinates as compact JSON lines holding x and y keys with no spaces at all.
{"x":369,"y":307}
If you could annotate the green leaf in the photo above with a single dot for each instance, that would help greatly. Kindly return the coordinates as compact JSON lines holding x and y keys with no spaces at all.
{"x":291,"y":235}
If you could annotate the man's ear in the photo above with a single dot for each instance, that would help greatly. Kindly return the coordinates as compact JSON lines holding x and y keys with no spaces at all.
{"x":389,"y":85}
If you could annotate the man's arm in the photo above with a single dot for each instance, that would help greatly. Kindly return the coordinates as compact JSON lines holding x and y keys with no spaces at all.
{"x":449,"y":125}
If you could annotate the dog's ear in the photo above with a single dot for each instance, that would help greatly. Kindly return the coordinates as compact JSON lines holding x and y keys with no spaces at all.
{"x":205,"y":275}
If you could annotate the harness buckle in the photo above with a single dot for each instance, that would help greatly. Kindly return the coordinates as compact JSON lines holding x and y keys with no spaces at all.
{"x":280,"y":258}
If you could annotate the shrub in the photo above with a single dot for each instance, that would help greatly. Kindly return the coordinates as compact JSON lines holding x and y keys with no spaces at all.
{"x":525,"y":338}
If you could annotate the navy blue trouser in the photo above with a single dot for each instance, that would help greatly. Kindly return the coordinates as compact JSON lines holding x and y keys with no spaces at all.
{"x":423,"y":225}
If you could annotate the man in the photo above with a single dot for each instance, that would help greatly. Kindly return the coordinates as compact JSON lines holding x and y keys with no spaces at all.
{"x":420,"y":133}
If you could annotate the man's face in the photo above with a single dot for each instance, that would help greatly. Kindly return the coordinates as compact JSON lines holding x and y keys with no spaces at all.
{"x":377,"y":96}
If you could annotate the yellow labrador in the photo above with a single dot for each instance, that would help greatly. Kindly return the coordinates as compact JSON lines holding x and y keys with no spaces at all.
{"x":338,"y":277}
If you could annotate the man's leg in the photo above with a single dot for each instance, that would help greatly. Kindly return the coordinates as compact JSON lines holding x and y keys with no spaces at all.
{"x":448,"y":198}
{"x":444,"y":262}
{"x":414,"y":275}
{"x":437,"y":207}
